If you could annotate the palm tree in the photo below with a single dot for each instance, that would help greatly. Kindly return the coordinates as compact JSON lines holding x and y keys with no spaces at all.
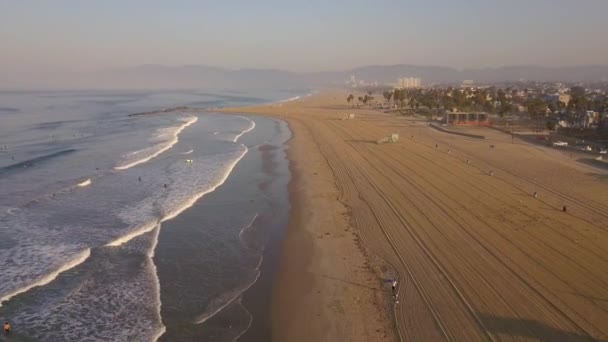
{"x":350,"y":98}
{"x":387,"y":95}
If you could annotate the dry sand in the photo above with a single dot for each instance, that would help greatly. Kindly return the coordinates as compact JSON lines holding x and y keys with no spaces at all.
{"x":477,"y":256}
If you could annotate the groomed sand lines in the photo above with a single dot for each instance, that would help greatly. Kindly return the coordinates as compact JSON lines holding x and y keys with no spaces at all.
{"x":479,"y":258}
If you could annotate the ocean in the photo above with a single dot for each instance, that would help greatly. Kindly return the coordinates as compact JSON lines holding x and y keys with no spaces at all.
{"x":137,"y":228}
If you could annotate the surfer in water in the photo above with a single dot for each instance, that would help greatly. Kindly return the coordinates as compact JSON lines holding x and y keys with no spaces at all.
{"x":7,"y":328}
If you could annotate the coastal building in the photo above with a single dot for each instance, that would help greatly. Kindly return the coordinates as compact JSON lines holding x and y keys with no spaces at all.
{"x":590,"y":119}
{"x":409,"y":82}
{"x":554,"y":98}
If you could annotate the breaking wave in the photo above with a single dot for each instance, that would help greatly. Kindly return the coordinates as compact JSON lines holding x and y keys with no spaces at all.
{"x":152,"y":152}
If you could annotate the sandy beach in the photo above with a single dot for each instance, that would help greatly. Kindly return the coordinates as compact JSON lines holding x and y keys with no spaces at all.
{"x":477,"y":256}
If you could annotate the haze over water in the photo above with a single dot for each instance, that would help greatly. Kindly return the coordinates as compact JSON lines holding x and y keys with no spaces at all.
{"x":52,"y":44}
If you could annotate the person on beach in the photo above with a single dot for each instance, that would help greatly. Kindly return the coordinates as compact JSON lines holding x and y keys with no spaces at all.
{"x":394,"y":288}
{"x":7,"y":328}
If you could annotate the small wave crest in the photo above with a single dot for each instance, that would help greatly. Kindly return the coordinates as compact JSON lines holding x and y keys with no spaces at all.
{"x":157,"y":298}
{"x":227,"y":298}
{"x":153,"y":152}
{"x":145,"y":228}
{"x":172,"y":214}
{"x":75,"y":261}
{"x":290,"y":99}
{"x":188,"y":152}
{"x":85,"y":183}
{"x":33,"y":161}
{"x":249,"y":129}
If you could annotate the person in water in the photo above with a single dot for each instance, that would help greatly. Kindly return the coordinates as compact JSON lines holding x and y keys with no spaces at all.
{"x":7,"y":328}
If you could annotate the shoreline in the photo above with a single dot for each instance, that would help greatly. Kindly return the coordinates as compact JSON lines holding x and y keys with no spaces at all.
{"x":464,"y":226}
{"x":329,"y":286}
{"x":235,"y":215}
{"x":255,"y":299}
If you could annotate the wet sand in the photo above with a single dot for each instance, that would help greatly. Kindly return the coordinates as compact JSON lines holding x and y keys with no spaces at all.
{"x":214,"y":284}
{"x":477,"y":256}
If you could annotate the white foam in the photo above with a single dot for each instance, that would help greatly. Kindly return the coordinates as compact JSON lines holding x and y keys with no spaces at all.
{"x":10,"y":211}
{"x":162,"y":330}
{"x":188,"y":152}
{"x":251,"y":127}
{"x":77,"y":260}
{"x":85,"y":183}
{"x":196,"y":197}
{"x":164,"y":148}
{"x":247,"y":226}
{"x":290,"y":99}
{"x":145,"y":228}
{"x":248,"y":325}
{"x":172,"y":214}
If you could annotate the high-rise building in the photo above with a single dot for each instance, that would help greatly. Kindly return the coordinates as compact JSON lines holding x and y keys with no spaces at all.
{"x":409,"y":82}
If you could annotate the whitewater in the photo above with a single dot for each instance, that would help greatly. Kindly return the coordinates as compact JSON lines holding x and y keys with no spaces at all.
{"x":88,"y":196}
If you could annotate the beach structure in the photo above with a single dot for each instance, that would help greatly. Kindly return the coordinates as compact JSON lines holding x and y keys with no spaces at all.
{"x":393,"y":138}
{"x":350,"y":116}
{"x":467,"y":119}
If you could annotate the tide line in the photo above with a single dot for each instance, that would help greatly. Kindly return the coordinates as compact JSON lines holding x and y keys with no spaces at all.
{"x":236,"y":294}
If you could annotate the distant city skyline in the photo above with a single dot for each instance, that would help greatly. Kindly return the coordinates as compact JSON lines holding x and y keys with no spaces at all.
{"x":304,"y":36}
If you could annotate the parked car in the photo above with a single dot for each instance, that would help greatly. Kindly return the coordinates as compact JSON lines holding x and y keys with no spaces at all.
{"x":603,"y":151}
{"x":560,"y":143}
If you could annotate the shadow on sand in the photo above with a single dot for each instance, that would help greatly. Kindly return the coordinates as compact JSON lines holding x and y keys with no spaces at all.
{"x":532,"y":329}
{"x":600,"y":164}
{"x":361,"y":141}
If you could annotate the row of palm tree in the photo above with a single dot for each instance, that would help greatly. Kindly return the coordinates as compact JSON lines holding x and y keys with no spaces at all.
{"x":491,"y":100}
{"x":366,"y":99}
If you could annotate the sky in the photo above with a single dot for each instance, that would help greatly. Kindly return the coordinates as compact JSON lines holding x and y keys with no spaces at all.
{"x":304,"y":35}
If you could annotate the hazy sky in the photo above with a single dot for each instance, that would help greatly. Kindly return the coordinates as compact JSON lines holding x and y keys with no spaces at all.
{"x":300,"y":35}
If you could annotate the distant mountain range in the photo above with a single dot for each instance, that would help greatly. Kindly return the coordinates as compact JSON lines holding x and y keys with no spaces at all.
{"x":201,"y":76}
